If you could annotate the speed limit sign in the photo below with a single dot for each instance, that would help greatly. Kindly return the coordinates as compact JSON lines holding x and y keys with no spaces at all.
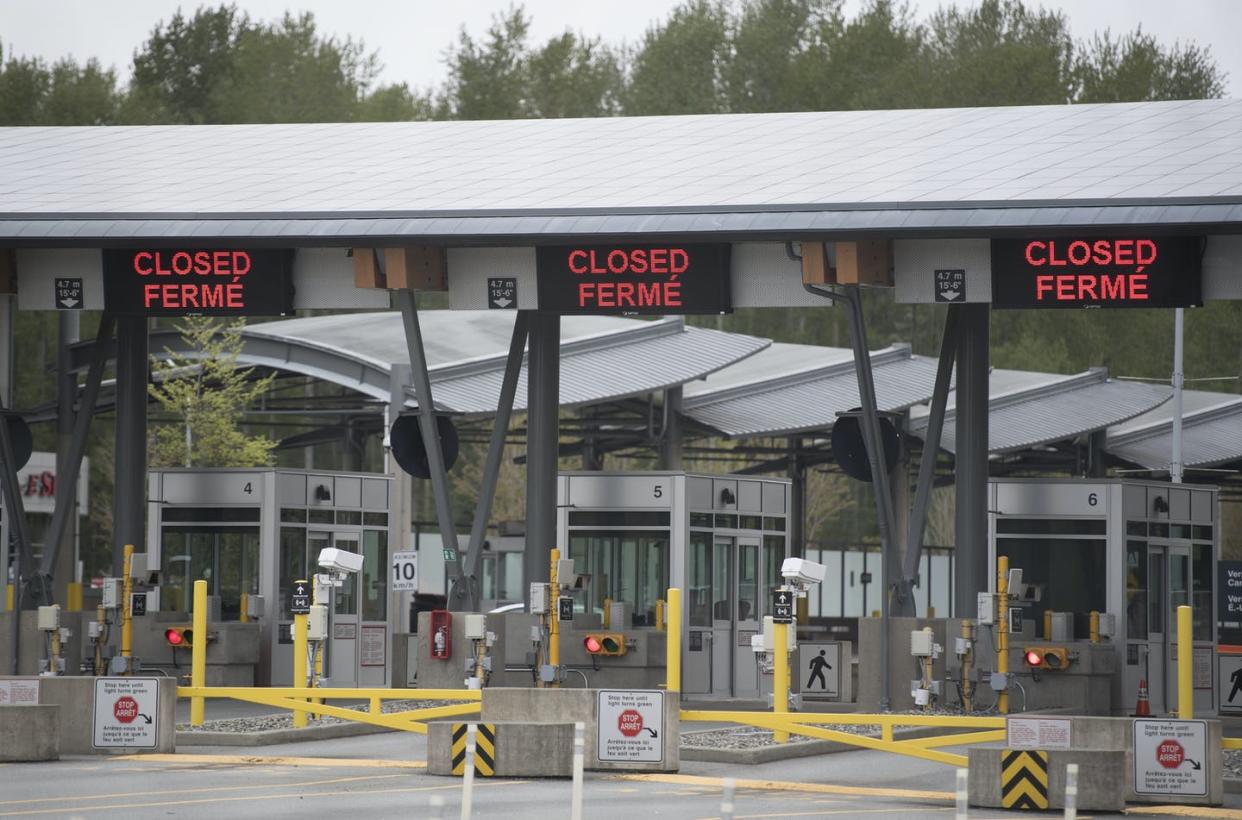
{"x":405,"y":572}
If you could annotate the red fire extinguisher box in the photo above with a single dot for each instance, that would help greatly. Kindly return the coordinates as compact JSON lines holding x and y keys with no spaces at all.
{"x":441,"y":634}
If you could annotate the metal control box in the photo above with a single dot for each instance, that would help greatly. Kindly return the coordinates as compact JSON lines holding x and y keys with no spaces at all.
{"x":475,"y":626}
{"x":317,"y":623}
{"x":49,"y":618}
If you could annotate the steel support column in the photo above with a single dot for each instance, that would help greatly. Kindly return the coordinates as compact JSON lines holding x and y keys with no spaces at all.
{"x":971,"y":480}
{"x":71,"y":452}
{"x":927,"y":463}
{"x":797,"y":499}
{"x":130,"y":473}
{"x":670,"y":439}
{"x":421,"y":382}
{"x":543,"y":378}
{"x":495,"y":452}
{"x":59,"y":555}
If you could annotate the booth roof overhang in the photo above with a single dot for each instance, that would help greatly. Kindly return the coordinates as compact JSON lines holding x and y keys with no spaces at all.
{"x":963,"y":172}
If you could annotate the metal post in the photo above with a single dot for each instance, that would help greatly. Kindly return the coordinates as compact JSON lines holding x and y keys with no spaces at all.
{"x":971,"y":560}
{"x":467,"y":781}
{"x":61,"y":567}
{"x":67,"y":474}
{"x":421,"y":383}
{"x":927,"y":464}
{"x":1071,"y":791}
{"x":198,"y":653}
{"x":963,"y":794}
{"x":670,"y":441}
{"x":1179,"y":380}
{"x":495,"y":452}
{"x":672,"y":646}
{"x":130,"y":474}
{"x":575,"y":809}
{"x":542,"y":443}
{"x":726,"y":798}
{"x":127,"y":615}
{"x":780,"y":676}
{"x":1185,"y":664}
{"x":1002,"y":629}
{"x":554,"y":619}
{"x":15,"y":529}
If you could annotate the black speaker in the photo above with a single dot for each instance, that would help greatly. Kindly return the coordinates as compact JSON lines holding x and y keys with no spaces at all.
{"x":850,"y":449}
{"x":407,"y":445}
{"x":21,"y":437}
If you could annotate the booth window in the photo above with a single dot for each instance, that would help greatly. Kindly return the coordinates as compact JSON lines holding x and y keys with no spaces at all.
{"x":374,"y":575}
{"x":699,"y":592}
{"x":1202,"y":604}
{"x":773,"y":557}
{"x":625,"y":566}
{"x":1072,"y":572}
{"x":227,"y":558}
{"x":292,"y":564}
{"x":720,"y":581}
{"x":1136,"y":590}
{"x":747,"y":582}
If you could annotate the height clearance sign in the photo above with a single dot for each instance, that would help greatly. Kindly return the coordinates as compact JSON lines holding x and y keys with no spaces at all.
{"x":1097,"y":272}
{"x":657,"y":278}
{"x":189,"y":281}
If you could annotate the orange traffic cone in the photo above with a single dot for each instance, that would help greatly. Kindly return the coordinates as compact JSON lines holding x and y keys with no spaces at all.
{"x":1143,"y":707}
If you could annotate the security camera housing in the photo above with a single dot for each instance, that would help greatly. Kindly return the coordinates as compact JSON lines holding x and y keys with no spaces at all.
{"x":799,"y":571}
{"x":334,"y":560}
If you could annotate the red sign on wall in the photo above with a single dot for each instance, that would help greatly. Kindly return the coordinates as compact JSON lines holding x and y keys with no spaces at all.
{"x":189,"y":281}
{"x":659,"y":278}
{"x":1095,"y":272}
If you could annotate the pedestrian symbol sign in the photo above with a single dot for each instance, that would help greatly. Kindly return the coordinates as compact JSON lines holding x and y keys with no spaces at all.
{"x":1229,"y":684}
{"x":819,"y":667}
{"x":126,"y":713}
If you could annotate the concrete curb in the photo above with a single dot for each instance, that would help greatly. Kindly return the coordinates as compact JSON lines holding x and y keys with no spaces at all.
{"x":273,"y":737}
{"x":808,"y":748}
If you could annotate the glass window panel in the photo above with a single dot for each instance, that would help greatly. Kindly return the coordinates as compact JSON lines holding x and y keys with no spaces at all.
{"x":939,"y":582}
{"x":1179,"y":531}
{"x":831,"y":587}
{"x":374,"y":575}
{"x":747,"y":582}
{"x":699,"y":592}
{"x":773,"y":557}
{"x":774,"y":524}
{"x":292,"y":564}
{"x":750,"y":522}
{"x":176,"y":586}
{"x":653,"y":579}
{"x":320,"y":516}
{"x":1136,"y":528}
{"x":701,"y":520}
{"x":853,"y":606}
{"x":288,"y":515}
{"x":721,"y":594}
{"x":347,"y":593}
{"x":1155,"y":597}
{"x":374,"y":519}
{"x":1136,"y":590}
{"x":1201,"y":591}
{"x":726,"y":522}
{"x":353,"y":517}
{"x":1072,"y":572}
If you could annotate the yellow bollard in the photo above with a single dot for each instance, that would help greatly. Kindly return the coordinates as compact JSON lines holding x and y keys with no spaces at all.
{"x":1047,"y":624}
{"x":607,"y":613}
{"x":1002,"y":628}
{"x":660,"y":614}
{"x":554,"y":619}
{"x":243,"y":616}
{"x":8,"y":597}
{"x":198,"y":653}
{"x":1094,"y":626}
{"x":780,"y":676}
{"x":127,"y":592}
{"x":1185,"y":661}
{"x":968,"y":686}
{"x":672,"y":656}
{"x":376,"y":708}
{"x":73,"y":596}
{"x":300,"y":719}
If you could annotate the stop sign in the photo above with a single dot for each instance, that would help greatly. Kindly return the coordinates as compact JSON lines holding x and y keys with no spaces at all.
{"x":1170,"y":754}
{"x":630,"y":722}
{"x":125,"y":709}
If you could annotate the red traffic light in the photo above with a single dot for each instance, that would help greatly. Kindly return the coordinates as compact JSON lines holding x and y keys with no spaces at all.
{"x":179,"y":636}
{"x":1033,"y":658}
{"x":592,"y":644}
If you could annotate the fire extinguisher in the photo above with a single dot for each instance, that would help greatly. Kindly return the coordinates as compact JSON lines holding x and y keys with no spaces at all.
{"x":441,"y":634}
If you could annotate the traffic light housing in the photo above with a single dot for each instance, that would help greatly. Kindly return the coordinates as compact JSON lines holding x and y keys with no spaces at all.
{"x":1048,"y":658}
{"x":179,"y":637}
{"x":604,"y":643}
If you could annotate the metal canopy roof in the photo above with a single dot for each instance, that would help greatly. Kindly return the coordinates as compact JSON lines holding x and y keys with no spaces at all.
{"x":466,"y":353}
{"x":1029,"y":409}
{"x":943,"y":170}
{"x":1211,"y":433}
{"x":787,"y":389}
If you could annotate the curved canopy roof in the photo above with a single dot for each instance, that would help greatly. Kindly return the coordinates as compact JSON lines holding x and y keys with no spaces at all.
{"x":1211,"y":433}
{"x":980,"y":170}
{"x":602,"y":358}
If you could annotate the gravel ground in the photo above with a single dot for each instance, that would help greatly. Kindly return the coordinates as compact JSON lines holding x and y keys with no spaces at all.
{"x":266,"y":723}
{"x":1233,"y":762}
{"x":749,"y":737}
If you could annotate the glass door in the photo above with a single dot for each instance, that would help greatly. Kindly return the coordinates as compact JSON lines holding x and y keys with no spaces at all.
{"x":722,"y":648}
{"x":696,"y":669}
{"x":343,"y":639}
{"x":1178,"y":594}
{"x":1153,"y":661}
{"x":746,"y":622}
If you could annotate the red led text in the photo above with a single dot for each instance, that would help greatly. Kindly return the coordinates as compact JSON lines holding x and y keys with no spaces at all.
{"x":201,"y":263}
{"x":1054,"y":253}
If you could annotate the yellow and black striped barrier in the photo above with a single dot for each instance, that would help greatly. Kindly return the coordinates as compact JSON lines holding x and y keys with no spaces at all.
{"x":484,"y":749}
{"x":1024,"y":779}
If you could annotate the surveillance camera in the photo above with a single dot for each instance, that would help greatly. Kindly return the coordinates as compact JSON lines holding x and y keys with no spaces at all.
{"x":335,"y":560}
{"x":800,"y":571}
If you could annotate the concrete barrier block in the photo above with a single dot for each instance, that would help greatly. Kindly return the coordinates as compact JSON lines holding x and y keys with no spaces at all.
{"x":76,"y":698}
{"x":29,"y":733}
{"x":523,"y":749}
{"x":1102,"y":782}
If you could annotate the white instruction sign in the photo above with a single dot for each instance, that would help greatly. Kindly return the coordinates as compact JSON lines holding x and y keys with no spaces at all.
{"x":126,"y":713}
{"x":1170,"y":757}
{"x":17,"y":692}
{"x":631,"y":726}
{"x":819,"y":667}
{"x":1038,"y":733}
{"x":405,"y":572}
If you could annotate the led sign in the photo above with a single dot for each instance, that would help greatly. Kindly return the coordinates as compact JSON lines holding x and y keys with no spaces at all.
{"x":212,"y":282}
{"x":662,"y":279}
{"x":1095,"y":272}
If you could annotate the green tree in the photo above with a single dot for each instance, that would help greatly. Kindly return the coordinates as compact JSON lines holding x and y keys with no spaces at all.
{"x":1137,"y":67}
{"x":32,"y":93}
{"x":679,"y":66}
{"x":207,"y":393}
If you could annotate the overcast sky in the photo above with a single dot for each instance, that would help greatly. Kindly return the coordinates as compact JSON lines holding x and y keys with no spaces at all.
{"x":411,"y":35}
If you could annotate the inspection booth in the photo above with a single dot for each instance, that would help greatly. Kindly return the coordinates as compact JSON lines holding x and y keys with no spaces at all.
{"x":721,"y":539}
{"x":255,"y":532}
{"x":1136,"y":550}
